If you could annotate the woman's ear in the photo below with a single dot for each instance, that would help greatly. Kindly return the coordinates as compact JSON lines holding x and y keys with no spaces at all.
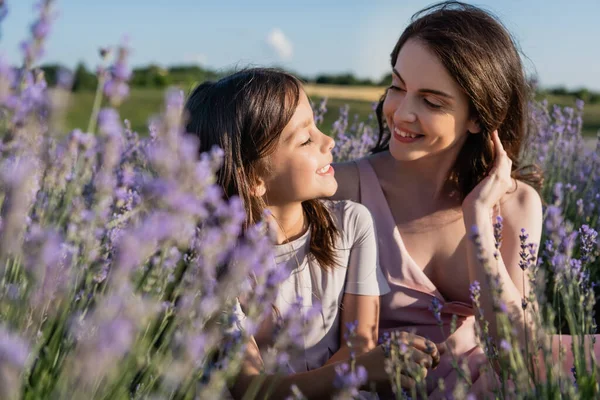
{"x":259,"y":188}
{"x":473,"y":126}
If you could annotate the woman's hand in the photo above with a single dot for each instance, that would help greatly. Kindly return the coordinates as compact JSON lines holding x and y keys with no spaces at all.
{"x":420,"y":356}
{"x":495,"y":185}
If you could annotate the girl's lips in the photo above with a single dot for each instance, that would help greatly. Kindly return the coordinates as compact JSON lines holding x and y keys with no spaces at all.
{"x":327,"y":170}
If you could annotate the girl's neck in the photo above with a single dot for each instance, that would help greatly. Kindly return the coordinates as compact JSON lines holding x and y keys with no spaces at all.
{"x":288,"y":221}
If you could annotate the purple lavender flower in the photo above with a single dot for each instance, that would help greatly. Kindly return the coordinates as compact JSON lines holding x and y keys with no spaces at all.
{"x":14,"y":353}
{"x":501,"y":306}
{"x":505,"y":345}
{"x":436,"y":309}
{"x":350,"y":381}
{"x":475,"y":291}
{"x":65,"y":79}
{"x":525,"y":252}
{"x":588,"y":238}
{"x":34,"y":48}
{"x":109,"y":122}
{"x":116,"y":88}
{"x":17,"y":179}
{"x":320,"y":112}
{"x":498,"y":232}
{"x":14,"y":350}
{"x":558,"y":193}
{"x":351,"y":331}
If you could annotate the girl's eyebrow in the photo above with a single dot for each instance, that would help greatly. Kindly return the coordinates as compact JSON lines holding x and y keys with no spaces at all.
{"x":426,"y":91}
{"x":297,"y":127}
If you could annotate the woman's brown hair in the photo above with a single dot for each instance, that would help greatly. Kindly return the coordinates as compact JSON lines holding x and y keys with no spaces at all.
{"x":480,"y":54}
{"x":244,"y":114}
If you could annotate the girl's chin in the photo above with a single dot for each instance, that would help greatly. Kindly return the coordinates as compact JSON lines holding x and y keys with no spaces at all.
{"x":330,"y":190}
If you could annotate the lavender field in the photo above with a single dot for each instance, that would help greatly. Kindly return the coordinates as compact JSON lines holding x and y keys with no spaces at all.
{"x":120,"y":262}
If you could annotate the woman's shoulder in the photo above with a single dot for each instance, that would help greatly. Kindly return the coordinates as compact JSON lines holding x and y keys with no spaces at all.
{"x":347,"y":175}
{"x":522,"y":202}
{"x":521,"y":195}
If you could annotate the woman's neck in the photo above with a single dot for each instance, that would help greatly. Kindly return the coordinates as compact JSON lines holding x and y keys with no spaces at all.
{"x":288,"y":221}
{"x":426,"y":177}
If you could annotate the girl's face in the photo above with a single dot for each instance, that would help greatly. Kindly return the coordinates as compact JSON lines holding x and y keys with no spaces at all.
{"x":426,"y":110}
{"x":300,"y":168}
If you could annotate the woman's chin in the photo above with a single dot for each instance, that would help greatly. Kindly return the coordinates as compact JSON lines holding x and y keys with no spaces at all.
{"x":401,"y":154}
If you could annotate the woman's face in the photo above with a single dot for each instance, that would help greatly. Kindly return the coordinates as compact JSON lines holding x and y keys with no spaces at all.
{"x":426,"y":110}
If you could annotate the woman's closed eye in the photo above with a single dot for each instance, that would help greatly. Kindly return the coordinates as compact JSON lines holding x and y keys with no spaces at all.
{"x":398,"y":88}
{"x":432,"y":105}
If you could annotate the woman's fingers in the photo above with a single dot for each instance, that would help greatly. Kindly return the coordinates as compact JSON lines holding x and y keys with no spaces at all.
{"x":498,"y":147}
{"x":502,"y":162}
{"x":442,"y":348}
{"x":407,"y":383}
{"x":422,"y":358}
{"x":425,"y":350}
{"x":418,"y":342}
{"x":499,"y":152}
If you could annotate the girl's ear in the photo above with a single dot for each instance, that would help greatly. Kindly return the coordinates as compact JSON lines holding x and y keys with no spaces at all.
{"x":473,"y":126}
{"x":259,"y":188}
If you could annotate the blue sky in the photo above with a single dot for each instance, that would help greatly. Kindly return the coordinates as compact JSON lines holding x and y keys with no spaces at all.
{"x":559,"y":39}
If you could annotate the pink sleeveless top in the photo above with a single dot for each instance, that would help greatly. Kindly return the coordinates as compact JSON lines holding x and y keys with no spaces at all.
{"x":407,"y":306}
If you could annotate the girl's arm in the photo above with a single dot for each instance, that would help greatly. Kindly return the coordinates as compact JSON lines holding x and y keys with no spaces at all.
{"x":364,"y":284}
{"x":364,"y":312}
{"x":315,"y":384}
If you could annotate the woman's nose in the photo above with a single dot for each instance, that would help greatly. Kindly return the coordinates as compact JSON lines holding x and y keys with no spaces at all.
{"x":404,"y":111}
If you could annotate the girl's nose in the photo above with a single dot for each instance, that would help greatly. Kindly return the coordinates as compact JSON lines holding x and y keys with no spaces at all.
{"x":329,"y":142}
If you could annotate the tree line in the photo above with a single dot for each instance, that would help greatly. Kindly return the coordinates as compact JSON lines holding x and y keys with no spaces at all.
{"x":154,"y":76}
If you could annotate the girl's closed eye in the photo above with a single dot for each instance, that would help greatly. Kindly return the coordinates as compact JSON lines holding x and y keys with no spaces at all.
{"x":307,"y":142}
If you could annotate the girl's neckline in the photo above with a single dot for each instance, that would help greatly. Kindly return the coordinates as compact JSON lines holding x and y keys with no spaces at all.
{"x":293,"y":245}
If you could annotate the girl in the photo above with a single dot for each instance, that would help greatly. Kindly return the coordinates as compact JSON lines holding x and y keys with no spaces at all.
{"x":447,"y":158}
{"x":277,"y":160}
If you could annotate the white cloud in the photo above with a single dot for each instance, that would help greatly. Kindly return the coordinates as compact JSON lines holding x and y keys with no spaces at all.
{"x":279,"y":43}
{"x":199,"y":59}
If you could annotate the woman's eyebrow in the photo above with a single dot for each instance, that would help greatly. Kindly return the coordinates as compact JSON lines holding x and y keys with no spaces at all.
{"x":424,"y":90}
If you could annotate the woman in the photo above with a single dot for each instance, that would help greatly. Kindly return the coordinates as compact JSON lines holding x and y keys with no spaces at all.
{"x":447,"y":159}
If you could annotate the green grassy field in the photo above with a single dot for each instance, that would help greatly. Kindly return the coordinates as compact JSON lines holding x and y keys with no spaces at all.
{"x":144,"y":103}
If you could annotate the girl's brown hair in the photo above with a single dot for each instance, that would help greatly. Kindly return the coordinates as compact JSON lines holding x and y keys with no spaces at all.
{"x":482,"y":57}
{"x":244,"y":114}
